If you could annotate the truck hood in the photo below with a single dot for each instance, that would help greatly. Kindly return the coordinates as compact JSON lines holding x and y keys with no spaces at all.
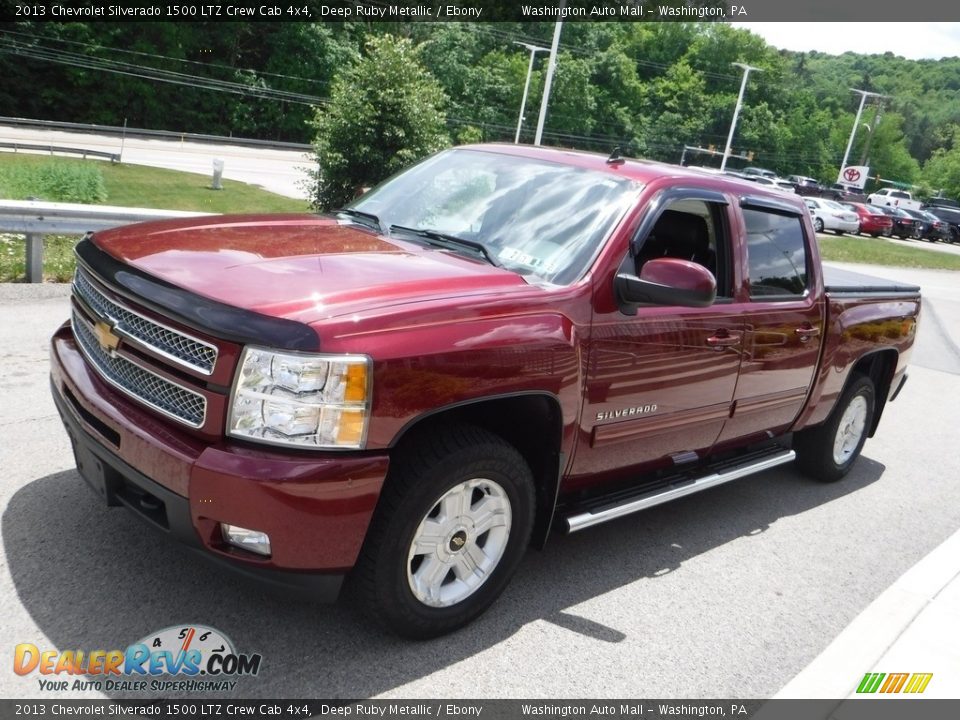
{"x":301,"y":267}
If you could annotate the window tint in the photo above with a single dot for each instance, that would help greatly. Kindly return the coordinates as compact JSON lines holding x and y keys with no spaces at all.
{"x":776,"y":254}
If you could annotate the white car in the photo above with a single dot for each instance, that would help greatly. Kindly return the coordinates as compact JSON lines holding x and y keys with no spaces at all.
{"x":830,"y":215}
{"x":772,"y":183}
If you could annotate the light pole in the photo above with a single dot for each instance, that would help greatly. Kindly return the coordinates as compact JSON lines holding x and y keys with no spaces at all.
{"x":863,"y":98}
{"x":526,"y":87}
{"x":736,"y":112}
{"x":551,"y":68}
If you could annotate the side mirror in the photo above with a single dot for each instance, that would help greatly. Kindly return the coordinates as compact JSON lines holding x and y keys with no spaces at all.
{"x":667,"y":281}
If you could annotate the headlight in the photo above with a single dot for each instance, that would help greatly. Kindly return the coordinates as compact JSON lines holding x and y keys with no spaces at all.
{"x":310,"y":401}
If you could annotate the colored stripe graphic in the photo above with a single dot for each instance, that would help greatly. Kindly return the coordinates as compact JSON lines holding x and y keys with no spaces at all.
{"x":870,"y":682}
{"x":895,"y":682}
{"x":918,"y":683}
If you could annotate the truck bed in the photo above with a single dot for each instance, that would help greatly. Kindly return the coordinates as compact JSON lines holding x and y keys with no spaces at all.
{"x":846,"y":282}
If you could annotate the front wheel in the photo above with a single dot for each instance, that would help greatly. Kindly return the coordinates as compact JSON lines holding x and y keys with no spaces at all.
{"x":818,"y":224}
{"x":449,"y":532}
{"x":827,"y":452}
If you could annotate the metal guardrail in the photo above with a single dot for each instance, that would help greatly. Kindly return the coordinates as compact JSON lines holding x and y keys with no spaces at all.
{"x":61,"y":150}
{"x":35,"y":219}
{"x":145,"y":133}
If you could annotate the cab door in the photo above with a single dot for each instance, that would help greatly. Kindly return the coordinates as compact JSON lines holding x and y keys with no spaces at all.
{"x":783,"y":316}
{"x":660,"y":382}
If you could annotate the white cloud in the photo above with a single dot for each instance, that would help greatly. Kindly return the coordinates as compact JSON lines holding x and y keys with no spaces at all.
{"x":911,"y":40}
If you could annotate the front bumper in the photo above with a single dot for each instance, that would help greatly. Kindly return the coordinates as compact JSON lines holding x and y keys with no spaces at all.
{"x":315,"y":507}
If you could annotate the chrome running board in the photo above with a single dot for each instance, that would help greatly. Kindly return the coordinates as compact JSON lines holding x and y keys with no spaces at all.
{"x":677,"y":489}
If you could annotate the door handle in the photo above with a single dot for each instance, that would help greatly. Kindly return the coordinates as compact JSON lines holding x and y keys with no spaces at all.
{"x":805,"y":333}
{"x":722,"y":339}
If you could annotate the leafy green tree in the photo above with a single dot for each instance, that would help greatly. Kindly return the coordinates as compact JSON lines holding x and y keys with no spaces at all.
{"x":385,"y":112}
{"x":942,"y":171}
{"x":674,"y":102}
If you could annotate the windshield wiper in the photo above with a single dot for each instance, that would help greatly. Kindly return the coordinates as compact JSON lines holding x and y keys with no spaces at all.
{"x":449,"y":241}
{"x":363,"y":218}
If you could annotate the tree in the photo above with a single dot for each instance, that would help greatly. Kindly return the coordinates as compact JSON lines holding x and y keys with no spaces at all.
{"x":385,"y":112}
{"x":942,"y":171}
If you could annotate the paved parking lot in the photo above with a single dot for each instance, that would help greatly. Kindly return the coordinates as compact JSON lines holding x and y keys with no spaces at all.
{"x":726,"y":593}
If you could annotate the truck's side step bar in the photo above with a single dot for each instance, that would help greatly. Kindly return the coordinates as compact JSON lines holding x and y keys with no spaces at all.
{"x":677,"y":486}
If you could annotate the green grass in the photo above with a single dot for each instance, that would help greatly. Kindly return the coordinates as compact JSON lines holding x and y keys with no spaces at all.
{"x":877,"y":251}
{"x":131,"y":186}
{"x":141,"y":186}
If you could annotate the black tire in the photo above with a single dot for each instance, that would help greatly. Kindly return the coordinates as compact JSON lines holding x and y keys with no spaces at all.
{"x":818,"y":225}
{"x":873,"y":235}
{"x":439,"y":465}
{"x":817,"y":455}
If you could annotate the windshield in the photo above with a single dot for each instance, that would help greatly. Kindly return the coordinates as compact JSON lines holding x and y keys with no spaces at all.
{"x":540,"y":219}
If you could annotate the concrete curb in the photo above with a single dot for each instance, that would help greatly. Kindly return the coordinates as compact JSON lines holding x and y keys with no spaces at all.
{"x":914,"y":626}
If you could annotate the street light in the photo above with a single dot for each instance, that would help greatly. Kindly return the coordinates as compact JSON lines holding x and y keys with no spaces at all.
{"x":863,"y":98}
{"x":551,"y":68}
{"x":736,"y":112}
{"x":526,"y":88}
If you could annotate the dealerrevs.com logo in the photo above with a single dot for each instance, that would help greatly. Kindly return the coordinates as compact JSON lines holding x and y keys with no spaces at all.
{"x":203,"y":657}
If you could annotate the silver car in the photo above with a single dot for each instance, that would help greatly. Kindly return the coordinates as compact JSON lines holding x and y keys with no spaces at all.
{"x":830,"y":215}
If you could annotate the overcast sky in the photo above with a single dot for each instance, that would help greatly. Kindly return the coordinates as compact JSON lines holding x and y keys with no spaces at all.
{"x":911,"y":40}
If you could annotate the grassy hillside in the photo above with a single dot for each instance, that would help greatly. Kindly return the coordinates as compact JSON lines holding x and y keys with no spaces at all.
{"x":124,"y":185}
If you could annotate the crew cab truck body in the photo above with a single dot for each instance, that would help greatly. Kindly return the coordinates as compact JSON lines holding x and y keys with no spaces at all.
{"x":891,"y":197}
{"x":500,"y":342}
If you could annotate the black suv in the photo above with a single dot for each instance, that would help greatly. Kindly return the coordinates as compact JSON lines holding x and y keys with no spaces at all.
{"x":949,"y":212}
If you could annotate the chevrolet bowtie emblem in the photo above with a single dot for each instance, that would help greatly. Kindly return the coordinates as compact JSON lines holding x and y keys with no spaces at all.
{"x":105,"y":337}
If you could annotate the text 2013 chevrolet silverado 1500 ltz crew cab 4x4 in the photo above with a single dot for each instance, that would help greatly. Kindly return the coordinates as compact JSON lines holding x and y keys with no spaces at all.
{"x":498,"y":342}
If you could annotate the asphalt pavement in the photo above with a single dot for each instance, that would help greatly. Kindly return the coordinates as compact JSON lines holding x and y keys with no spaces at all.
{"x":733,"y":592}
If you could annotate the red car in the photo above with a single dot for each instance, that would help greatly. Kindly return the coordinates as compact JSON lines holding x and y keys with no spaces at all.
{"x":872,"y":220}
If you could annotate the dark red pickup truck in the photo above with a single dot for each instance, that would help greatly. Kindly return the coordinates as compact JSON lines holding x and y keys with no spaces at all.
{"x":499,"y":342}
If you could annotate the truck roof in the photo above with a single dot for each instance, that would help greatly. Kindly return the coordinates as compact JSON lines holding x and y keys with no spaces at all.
{"x":645,"y":171}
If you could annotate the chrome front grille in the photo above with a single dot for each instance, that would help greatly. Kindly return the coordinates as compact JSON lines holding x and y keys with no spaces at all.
{"x":174,"y":345}
{"x":164,"y":396}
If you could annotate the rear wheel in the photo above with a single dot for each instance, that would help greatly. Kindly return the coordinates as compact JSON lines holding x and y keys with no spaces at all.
{"x":827,"y":452}
{"x":818,"y":224}
{"x":449,"y":532}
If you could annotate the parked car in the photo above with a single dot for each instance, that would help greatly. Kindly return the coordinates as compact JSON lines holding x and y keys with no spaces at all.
{"x":759,"y":172}
{"x":902,"y":222}
{"x":937,"y":201}
{"x":950,"y":216}
{"x":772,"y":183}
{"x":416,"y":388}
{"x":831,"y":215}
{"x":806,"y":186}
{"x":845,"y":193}
{"x":891,"y":197}
{"x":872,"y":221}
{"x":928,"y":226}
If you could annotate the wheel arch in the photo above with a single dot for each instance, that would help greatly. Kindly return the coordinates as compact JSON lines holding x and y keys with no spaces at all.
{"x":880,"y":366}
{"x":532,"y":422}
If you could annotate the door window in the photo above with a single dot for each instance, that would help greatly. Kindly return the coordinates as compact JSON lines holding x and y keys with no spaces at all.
{"x":776,"y":254}
{"x":690,"y":229}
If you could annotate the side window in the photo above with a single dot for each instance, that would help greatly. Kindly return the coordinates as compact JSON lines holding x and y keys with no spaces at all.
{"x":692,"y":230}
{"x":776,"y":254}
